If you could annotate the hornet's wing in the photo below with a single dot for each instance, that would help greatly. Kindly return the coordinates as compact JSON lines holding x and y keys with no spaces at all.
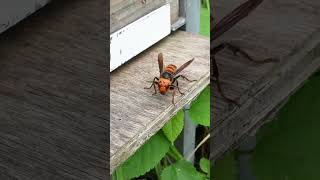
{"x":233,"y":18}
{"x":183,"y":66}
{"x":160,"y":62}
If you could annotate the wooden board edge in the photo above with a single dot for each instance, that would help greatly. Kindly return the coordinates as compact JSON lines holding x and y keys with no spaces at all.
{"x":131,"y":147}
{"x":293,"y":69}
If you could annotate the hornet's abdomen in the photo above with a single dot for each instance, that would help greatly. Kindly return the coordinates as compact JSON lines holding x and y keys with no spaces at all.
{"x":166,"y":78}
{"x":171,"y":69}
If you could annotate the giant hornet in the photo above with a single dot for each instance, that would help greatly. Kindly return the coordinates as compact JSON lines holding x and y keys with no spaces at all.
{"x":220,"y":28}
{"x":168,"y":79}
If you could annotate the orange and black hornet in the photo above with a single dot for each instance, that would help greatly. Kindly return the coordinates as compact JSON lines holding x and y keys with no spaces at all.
{"x":169,"y":77}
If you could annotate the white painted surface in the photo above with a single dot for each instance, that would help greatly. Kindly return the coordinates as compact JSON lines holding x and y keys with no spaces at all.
{"x":139,"y":35}
{"x":13,"y":11}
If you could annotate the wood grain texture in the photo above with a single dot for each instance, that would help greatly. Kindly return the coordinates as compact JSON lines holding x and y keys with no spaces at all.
{"x":123,"y":12}
{"x":287,"y":30}
{"x":174,"y":5}
{"x":136,"y":114}
{"x":53,"y":119}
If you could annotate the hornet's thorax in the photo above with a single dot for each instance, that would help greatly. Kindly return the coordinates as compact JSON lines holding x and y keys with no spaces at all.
{"x":166,"y":78}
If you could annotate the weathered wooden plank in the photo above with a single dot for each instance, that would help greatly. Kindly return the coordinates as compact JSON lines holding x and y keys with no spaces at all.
{"x":53,"y":119}
{"x":123,"y":13}
{"x":287,"y":30}
{"x":136,"y":114}
{"x":13,"y":11}
{"x":174,"y":5}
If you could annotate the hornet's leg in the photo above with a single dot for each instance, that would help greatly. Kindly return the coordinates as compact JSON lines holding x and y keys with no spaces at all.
{"x":184,"y":77}
{"x":216,"y":75}
{"x":176,"y":86}
{"x":173,"y":94}
{"x":236,"y":50}
{"x":153,"y":84}
{"x":179,"y":88}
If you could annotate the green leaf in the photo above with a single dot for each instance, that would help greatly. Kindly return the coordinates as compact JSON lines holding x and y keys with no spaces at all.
{"x":173,"y":128}
{"x":146,"y":158}
{"x":174,"y":153}
{"x":205,"y":165}
{"x":200,"y":108}
{"x":158,"y":170}
{"x":118,"y":174}
{"x":181,"y":170}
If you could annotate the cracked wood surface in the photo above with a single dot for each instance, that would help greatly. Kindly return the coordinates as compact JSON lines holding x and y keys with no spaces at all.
{"x":136,"y":114}
{"x":284,"y":29}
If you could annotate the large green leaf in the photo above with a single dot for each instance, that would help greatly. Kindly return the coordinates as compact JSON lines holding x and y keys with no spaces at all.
{"x":146,"y":157}
{"x":118,"y":174}
{"x":173,"y":128}
{"x":181,"y":170}
{"x":205,"y":165}
{"x":200,"y":108}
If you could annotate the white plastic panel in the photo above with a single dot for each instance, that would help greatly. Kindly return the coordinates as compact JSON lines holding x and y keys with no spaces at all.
{"x":139,"y":35}
{"x":13,"y":11}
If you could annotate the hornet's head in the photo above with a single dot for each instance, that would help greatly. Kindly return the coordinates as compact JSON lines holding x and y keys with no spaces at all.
{"x":163,"y":85}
